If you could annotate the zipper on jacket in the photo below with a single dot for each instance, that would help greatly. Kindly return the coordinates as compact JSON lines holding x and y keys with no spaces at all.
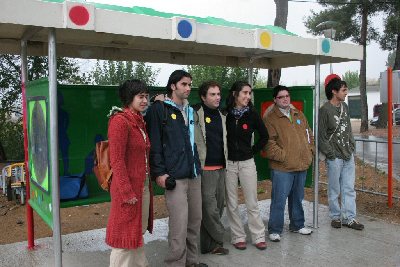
{"x":237,"y":136}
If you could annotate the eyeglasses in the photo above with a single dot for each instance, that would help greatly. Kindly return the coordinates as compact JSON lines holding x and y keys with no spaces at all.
{"x":283,"y":96}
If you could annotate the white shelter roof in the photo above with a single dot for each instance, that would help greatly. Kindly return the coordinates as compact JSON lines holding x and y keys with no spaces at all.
{"x":96,"y":31}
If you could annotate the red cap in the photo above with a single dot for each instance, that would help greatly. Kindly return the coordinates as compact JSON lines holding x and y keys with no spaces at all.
{"x":330,"y":77}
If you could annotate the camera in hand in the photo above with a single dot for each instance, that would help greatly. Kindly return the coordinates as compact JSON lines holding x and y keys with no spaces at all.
{"x":170,"y":183}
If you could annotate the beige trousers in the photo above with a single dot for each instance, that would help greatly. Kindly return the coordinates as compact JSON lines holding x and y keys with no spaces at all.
{"x":133,"y":257}
{"x":246,"y":172}
{"x":184,"y":208}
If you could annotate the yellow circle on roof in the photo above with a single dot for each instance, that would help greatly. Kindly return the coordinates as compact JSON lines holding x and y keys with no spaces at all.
{"x":265,"y":39}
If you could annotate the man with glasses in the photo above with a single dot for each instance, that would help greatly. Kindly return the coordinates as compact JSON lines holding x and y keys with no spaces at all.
{"x":290,"y":152}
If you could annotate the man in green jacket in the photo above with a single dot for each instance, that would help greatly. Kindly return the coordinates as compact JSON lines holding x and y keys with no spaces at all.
{"x":290,"y":152}
{"x":337,"y":143}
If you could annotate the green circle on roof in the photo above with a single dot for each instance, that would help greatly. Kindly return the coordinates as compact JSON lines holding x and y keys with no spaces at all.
{"x":326,"y":46}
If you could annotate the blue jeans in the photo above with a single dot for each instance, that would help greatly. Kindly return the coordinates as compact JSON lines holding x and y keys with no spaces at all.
{"x":286,"y":185}
{"x":341,"y":177}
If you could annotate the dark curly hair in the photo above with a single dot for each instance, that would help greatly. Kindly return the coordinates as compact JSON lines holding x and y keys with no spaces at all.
{"x":203,"y":89}
{"x":334,"y":84}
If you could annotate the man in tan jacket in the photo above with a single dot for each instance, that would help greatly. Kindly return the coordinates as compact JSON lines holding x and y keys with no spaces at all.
{"x":290,"y":152}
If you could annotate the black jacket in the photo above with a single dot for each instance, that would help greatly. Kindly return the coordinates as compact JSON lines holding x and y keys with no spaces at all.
{"x":239,"y":134}
{"x":170,"y":151}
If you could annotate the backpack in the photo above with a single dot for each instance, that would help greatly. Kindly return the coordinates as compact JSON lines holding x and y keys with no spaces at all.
{"x":73,"y":187}
{"x":102,"y":167}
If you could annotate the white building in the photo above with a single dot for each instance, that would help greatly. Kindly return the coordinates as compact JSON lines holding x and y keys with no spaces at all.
{"x":354,"y":102}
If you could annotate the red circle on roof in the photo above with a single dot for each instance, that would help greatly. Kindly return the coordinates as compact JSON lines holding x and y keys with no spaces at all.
{"x":79,"y":15}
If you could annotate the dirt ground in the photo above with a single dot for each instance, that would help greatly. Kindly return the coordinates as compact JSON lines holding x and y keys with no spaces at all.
{"x":76,"y":219}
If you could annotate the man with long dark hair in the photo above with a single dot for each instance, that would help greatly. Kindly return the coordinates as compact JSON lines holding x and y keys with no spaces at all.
{"x":175,"y":165}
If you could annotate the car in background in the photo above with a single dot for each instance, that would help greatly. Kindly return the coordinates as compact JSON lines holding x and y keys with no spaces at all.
{"x":374,"y":121}
{"x":396,"y":118}
{"x":396,"y":114}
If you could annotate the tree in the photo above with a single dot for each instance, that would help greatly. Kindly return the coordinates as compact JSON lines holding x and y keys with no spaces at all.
{"x":11,"y":137}
{"x":274,"y":75}
{"x":353,"y":18}
{"x":352,"y":79}
{"x":114,"y":72}
{"x":261,"y":82}
{"x":390,"y":40}
{"x":390,"y":59}
{"x":225,"y":76}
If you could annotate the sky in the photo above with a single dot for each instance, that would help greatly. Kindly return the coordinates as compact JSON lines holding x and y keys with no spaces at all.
{"x":262,"y":12}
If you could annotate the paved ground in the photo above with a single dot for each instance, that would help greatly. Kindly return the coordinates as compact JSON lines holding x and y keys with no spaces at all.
{"x":377,"y":245}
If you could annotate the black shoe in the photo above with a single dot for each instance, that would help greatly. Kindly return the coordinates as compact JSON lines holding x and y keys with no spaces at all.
{"x":336,"y":223}
{"x":354,"y":224}
{"x":220,"y":251}
{"x":200,"y":264}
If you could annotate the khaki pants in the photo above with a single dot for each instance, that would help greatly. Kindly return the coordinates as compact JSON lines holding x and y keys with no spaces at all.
{"x":184,"y":208}
{"x":247,"y":174}
{"x":133,"y":257}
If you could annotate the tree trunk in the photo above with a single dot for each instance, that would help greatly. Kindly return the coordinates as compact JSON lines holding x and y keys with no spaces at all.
{"x":397,"y":58}
{"x":363,"y":74}
{"x":383,"y":117}
{"x":274,"y":75}
{"x":2,"y":153}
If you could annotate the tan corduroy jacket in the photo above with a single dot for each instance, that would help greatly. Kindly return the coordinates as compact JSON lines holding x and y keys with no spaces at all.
{"x":291,"y":143}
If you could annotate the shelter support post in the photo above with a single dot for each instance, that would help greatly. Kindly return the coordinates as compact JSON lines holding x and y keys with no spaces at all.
{"x":29,"y":210}
{"x":54,"y":148}
{"x":390,"y":137}
{"x":250,"y":75}
{"x":315,"y":127}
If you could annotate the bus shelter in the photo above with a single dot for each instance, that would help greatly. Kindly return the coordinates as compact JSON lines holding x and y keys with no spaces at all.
{"x":58,"y":28}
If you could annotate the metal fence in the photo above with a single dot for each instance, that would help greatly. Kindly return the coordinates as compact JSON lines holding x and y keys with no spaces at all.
{"x":372,"y":152}
{"x":372,"y":167}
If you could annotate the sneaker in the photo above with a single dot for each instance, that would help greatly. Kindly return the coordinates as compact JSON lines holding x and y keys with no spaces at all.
{"x":303,"y":231}
{"x":261,"y":245}
{"x":336,"y":223}
{"x":240,"y":245}
{"x":275,"y":237}
{"x":354,"y":224}
{"x":220,"y":251}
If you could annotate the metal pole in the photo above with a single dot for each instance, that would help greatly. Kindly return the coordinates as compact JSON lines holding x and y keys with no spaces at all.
{"x":390,"y":138}
{"x":250,"y":74}
{"x":54,"y":148}
{"x":250,"y":81}
{"x":29,"y":210}
{"x":315,"y":127}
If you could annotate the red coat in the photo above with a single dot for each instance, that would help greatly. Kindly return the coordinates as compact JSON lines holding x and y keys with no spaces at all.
{"x":127,"y":158}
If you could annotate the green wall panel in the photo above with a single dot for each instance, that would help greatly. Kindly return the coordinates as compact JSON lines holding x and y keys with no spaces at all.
{"x":82,"y":121}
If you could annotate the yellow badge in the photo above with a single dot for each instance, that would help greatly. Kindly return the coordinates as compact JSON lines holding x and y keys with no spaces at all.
{"x":208,"y":120}
{"x":173,"y":116}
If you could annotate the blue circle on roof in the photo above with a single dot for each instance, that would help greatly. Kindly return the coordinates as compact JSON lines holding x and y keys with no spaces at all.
{"x":184,"y":28}
{"x":326,"y":46}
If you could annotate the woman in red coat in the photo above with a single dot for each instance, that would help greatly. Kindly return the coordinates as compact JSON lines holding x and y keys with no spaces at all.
{"x":131,"y":192}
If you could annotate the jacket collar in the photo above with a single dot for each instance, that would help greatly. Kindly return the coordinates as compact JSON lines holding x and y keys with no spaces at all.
{"x":293,"y":111}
